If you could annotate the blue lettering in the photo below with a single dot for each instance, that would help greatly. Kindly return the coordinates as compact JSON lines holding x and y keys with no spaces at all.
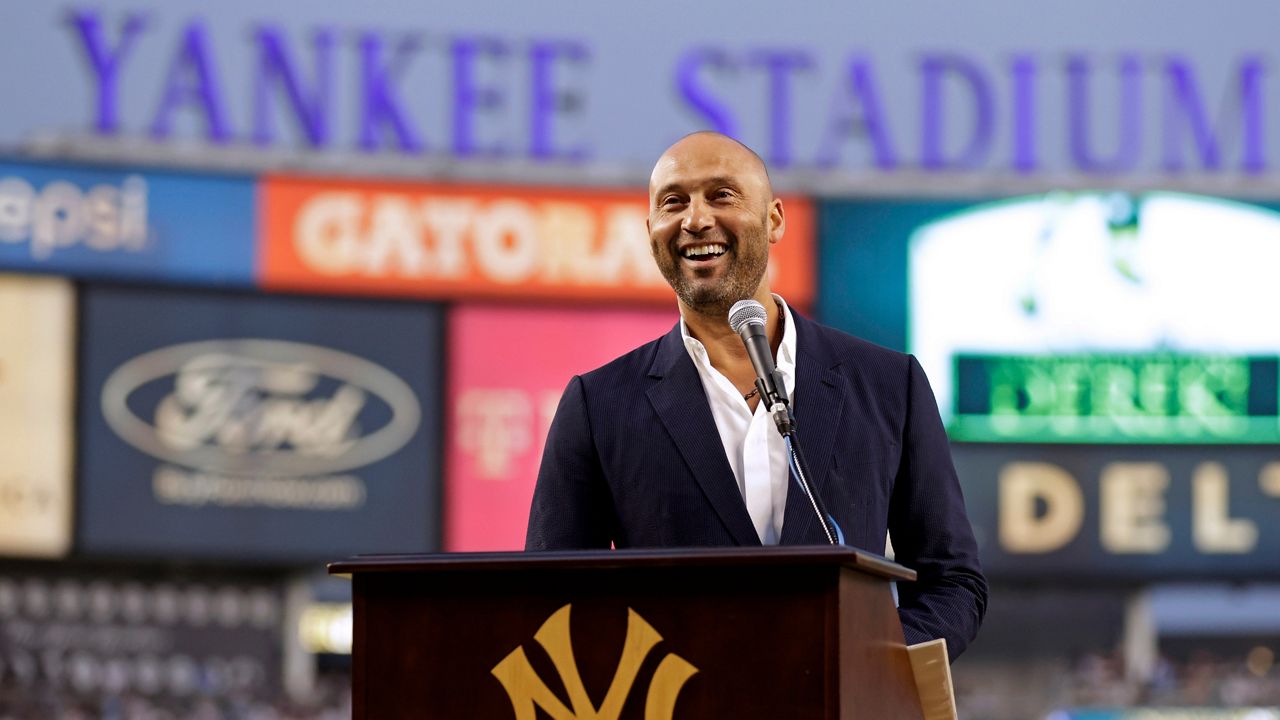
{"x":933,"y":69}
{"x":1186,"y":109}
{"x":1024,"y":119}
{"x":106,"y":62}
{"x":469,"y":96}
{"x":714,"y":111}
{"x":274,"y":68}
{"x":547,"y":101}
{"x":1184,"y":102}
{"x":1251,"y":102}
{"x":845,"y":121}
{"x":380,"y":103}
{"x":1130,"y":145}
{"x":192,"y":60}
{"x":780,"y":65}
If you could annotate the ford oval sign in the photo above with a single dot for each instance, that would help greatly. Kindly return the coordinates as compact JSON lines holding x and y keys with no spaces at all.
{"x":266,"y":407}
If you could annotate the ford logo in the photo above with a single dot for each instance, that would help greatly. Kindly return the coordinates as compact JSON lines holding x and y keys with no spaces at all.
{"x":264,"y":407}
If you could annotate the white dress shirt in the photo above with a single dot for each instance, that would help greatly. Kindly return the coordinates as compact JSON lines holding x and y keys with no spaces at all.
{"x":755,"y":449}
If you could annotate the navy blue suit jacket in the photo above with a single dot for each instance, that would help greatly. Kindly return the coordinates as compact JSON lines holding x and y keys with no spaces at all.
{"x":634,"y":458}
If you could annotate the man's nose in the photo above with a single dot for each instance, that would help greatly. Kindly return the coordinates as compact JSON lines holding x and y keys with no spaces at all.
{"x":698,"y":219}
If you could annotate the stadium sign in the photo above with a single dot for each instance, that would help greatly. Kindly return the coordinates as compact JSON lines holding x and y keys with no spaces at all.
{"x":1080,"y":91}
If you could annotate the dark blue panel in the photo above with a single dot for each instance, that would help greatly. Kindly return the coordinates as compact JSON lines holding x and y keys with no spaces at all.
{"x":248,"y":426}
{"x":1150,"y":513}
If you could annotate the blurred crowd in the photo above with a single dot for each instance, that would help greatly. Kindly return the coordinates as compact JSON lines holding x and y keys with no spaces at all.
{"x":331,"y":700}
{"x":1037,"y":689}
{"x":1203,"y":680}
{"x":986,"y":690}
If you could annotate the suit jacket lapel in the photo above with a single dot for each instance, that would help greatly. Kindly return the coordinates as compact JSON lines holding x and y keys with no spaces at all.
{"x":681,"y":404}
{"x":819,"y":404}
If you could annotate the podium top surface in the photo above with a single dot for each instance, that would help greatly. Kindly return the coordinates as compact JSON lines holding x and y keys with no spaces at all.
{"x":815,"y":555}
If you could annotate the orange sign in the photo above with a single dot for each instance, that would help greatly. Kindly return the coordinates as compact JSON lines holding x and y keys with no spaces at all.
{"x":450,"y":241}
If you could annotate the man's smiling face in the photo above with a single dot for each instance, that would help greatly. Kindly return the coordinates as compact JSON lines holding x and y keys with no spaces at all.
{"x":712,"y":217}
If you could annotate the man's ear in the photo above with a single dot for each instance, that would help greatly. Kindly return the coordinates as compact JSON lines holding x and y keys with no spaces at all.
{"x":777,"y":220}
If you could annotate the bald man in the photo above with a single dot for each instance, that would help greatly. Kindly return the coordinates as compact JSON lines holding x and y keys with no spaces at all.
{"x":669,"y":446}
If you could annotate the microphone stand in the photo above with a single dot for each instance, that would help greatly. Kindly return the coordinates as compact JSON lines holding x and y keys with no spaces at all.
{"x":780,"y":409}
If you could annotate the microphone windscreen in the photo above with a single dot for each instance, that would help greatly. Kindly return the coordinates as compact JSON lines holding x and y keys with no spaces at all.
{"x":744,"y":312}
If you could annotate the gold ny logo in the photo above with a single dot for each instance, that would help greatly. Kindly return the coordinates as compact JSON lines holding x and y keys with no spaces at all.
{"x":526,"y":689}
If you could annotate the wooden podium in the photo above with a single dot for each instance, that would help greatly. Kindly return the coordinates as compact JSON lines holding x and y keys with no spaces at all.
{"x":797,"y":632}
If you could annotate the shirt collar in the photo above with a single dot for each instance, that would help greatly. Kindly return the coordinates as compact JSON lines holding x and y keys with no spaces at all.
{"x":786,"y":359}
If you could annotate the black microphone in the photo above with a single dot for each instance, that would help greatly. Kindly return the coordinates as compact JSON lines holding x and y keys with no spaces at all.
{"x":747,"y":318}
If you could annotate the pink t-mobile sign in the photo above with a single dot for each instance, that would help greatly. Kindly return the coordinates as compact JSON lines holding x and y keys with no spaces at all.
{"x":507,"y":369}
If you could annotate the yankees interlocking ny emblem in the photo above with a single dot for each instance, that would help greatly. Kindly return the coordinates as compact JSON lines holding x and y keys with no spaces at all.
{"x":526,"y":690}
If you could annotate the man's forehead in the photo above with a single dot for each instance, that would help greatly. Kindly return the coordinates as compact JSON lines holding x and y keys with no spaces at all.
{"x":704,"y":156}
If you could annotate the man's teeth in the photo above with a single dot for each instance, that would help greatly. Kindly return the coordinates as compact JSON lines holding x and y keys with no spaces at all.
{"x":694,"y":250}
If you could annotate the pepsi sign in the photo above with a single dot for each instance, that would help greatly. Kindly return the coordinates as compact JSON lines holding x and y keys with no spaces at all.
{"x":127,"y":224}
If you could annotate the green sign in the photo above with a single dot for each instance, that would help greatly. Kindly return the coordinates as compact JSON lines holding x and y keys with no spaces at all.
{"x":1116,"y":398}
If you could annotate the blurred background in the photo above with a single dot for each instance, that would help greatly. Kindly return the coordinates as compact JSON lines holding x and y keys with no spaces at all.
{"x":282,"y":282}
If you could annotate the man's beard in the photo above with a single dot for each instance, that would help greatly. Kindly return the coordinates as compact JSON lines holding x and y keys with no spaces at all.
{"x":748,"y":261}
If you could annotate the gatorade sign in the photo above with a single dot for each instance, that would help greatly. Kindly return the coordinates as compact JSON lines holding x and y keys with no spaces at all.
{"x":456,"y":241}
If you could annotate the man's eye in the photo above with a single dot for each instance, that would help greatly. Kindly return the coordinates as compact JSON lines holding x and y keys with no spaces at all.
{"x":670,"y":200}
{"x":722,"y":193}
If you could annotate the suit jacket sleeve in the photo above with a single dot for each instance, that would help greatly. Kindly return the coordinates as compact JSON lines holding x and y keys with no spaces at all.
{"x":572,"y":508}
{"x":931,"y":532}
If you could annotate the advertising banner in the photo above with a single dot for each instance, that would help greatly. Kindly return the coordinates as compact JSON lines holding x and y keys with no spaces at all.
{"x":1124,"y":513}
{"x":127,"y":224}
{"x":250,"y":427}
{"x":37,"y":415}
{"x":439,"y":241}
{"x":507,"y":369}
